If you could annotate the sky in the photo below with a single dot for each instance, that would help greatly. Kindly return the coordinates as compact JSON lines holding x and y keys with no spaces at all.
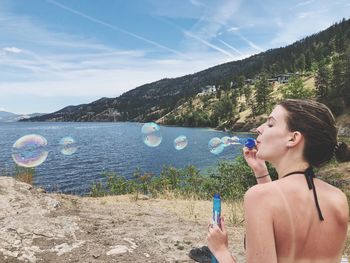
{"x":56,"y":53}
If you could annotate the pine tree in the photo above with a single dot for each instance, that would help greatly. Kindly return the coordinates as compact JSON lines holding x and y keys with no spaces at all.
{"x":335,"y":98}
{"x":346,"y":88}
{"x":322,"y":83}
{"x":263,"y":91}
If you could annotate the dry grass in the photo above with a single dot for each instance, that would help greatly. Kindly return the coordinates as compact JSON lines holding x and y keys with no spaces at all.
{"x":25,"y":176}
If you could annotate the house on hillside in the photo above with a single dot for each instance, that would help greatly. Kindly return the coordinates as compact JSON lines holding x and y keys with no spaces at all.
{"x":272,"y":80}
{"x":284,"y":78}
{"x":208,"y":90}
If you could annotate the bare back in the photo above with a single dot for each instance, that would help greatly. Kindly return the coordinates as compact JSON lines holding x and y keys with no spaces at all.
{"x":300,"y":235}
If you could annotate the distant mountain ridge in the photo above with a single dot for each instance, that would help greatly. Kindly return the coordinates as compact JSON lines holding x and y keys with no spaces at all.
{"x":12,"y":117}
{"x":152,"y":101}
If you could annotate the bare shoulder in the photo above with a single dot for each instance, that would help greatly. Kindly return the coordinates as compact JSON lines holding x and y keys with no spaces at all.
{"x":336,"y":196}
{"x":260,"y":193}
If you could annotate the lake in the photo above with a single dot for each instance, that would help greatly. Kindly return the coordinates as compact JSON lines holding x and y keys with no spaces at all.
{"x":108,"y":147}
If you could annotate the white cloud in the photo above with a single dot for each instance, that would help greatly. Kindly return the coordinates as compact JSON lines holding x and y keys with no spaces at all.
{"x":102,"y":76}
{"x":196,"y":2}
{"x":232,"y":29}
{"x":12,"y":50}
{"x":215,"y":18}
{"x":76,"y":66}
{"x":304,"y":3}
{"x":307,"y":23}
{"x":249,"y":42}
{"x":207,"y":43}
{"x":311,"y":14}
{"x":229,"y":46}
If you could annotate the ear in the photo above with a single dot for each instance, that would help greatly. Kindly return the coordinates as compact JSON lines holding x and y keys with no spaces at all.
{"x":295,"y":138}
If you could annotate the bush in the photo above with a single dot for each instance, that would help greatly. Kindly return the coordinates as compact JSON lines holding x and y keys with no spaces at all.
{"x":230,"y":179}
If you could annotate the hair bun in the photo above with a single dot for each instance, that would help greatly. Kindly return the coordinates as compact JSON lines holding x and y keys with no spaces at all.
{"x":342,"y":152}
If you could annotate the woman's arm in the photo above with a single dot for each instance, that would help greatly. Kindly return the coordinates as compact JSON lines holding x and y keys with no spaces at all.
{"x":259,"y":225}
{"x":258,"y":166}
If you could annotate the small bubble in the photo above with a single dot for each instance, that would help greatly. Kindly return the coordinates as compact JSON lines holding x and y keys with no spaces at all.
{"x":68,"y":146}
{"x":216,"y":146}
{"x":180,"y":142}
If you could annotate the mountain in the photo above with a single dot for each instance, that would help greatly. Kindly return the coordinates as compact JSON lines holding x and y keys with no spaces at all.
{"x":12,"y":117}
{"x":154,"y":100}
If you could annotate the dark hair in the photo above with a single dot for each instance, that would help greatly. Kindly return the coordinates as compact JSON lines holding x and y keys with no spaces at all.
{"x":316,"y":122}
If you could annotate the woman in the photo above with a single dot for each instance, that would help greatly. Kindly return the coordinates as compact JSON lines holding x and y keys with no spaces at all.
{"x":297,"y":218}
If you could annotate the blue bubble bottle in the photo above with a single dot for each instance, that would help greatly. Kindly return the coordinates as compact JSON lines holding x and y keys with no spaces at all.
{"x":249,"y":143}
{"x":216,"y":217}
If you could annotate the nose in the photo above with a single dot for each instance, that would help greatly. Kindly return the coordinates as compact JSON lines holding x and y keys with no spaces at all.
{"x":259,"y":130}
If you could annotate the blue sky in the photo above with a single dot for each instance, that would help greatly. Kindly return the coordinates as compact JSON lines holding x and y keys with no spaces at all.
{"x":55,"y":53}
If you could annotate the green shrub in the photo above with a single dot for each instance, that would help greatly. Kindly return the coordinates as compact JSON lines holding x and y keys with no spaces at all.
{"x":230,"y":179}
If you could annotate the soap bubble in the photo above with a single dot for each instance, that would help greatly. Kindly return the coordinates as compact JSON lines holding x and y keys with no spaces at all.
{"x":68,"y":146}
{"x":215,"y":145}
{"x":30,"y":150}
{"x":151,"y":135}
{"x":180,"y":142}
{"x":234,"y":140}
{"x":226,"y":141}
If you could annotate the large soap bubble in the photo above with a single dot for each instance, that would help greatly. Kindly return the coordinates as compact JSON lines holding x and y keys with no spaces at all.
{"x":68,"y":146}
{"x":151,"y":134}
{"x":30,"y":150}
{"x":216,"y":146}
{"x":180,"y":142}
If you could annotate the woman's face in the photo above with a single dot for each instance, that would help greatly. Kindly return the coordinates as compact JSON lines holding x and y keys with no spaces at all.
{"x":273,"y":136}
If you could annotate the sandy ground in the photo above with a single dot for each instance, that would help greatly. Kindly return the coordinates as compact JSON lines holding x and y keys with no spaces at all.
{"x":40,"y":227}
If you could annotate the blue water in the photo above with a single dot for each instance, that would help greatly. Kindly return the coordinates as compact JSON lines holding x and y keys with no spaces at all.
{"x":112,"y":147}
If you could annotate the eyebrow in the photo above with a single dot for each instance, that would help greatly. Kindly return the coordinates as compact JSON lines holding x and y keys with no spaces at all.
{"x":271,"y":118}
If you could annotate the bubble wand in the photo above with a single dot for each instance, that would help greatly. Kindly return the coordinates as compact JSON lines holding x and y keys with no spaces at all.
{"x":216,"y":217}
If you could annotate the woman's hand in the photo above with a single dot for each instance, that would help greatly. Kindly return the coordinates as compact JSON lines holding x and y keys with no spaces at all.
{"x":217,"y":238}
{"x":258,"y":166}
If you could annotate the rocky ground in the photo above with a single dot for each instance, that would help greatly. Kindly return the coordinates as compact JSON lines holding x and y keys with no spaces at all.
{"x":40,"y":227}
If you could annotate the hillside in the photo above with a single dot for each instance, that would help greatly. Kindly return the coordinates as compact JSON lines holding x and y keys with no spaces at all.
{"x":11,"y":117}
{"x":153,"y":101}
{"x":232,"y":109}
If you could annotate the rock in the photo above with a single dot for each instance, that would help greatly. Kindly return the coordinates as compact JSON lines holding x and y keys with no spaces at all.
{"x":96,"y":255}
{"x":118,"y":250}
{"x":143,"y":197}
{"x":26,"y":218}
{"x":41,"y":190}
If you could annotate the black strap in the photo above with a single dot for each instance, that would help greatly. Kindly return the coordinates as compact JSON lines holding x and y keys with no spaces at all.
{"x":310,"y":175}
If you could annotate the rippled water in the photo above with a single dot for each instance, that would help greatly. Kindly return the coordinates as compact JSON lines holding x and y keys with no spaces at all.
{"x":115,"y":147}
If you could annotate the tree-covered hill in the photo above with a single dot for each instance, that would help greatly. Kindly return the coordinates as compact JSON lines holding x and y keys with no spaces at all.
{"x":247,"y":86}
